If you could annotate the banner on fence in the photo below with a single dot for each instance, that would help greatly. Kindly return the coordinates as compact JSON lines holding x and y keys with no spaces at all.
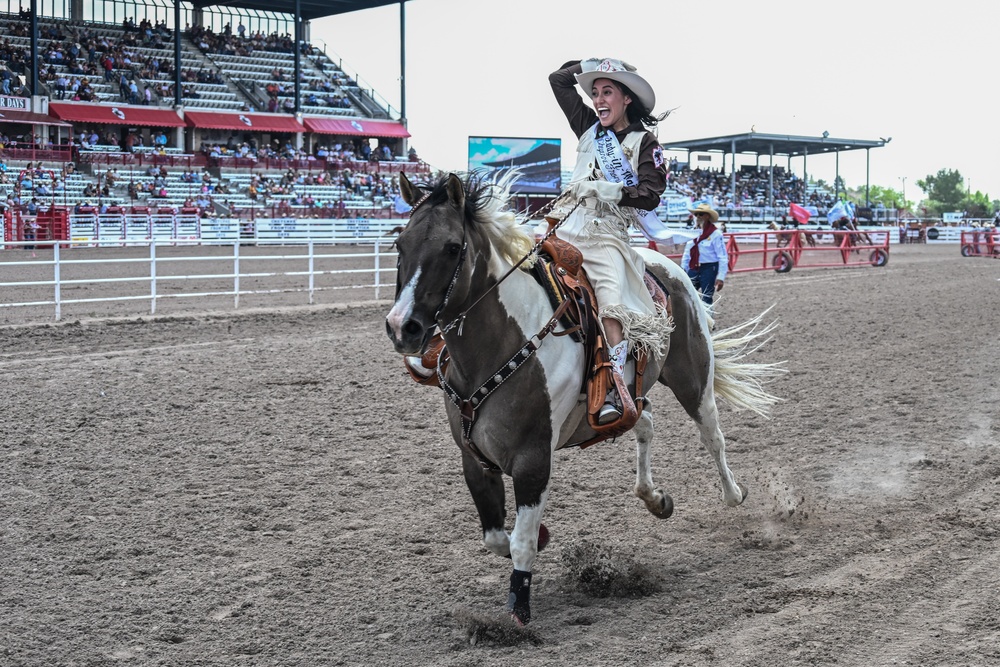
{"x":678,"y":205}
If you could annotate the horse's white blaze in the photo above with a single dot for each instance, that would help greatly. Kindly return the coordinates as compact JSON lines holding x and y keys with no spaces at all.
{"x":497,"y":541}
{"x":524,"y":537}
{"x":560,"y":356}
{"x":404,"y":305}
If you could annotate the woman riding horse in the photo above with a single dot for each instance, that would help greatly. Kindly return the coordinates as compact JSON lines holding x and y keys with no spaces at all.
{"x":619,"y":177}
{"x":512,"y":377}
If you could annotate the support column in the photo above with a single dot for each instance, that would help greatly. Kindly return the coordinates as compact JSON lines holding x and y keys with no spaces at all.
{"x":836,"y":182}
{"x":298,"y":58}
{"x":770,"y":186}
{"x":33,"y":75}
{"x":178,"y":28}
{"x":732,"y":174}
{"x":402,"y":63}
{"x":868,"y":164}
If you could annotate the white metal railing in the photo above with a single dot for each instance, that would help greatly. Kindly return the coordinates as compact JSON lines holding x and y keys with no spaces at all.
{"x":138,"y":269}
{"x":366,"y":264}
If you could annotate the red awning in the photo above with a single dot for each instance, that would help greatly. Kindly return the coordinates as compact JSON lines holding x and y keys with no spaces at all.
{"x":111,"y":114}
{"x":29,"y":118}
{"x":246,"y":122}
{"x":362,"y":127}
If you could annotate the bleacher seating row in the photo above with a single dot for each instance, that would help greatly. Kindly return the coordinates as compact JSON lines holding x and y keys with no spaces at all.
{"x":232,"y":69}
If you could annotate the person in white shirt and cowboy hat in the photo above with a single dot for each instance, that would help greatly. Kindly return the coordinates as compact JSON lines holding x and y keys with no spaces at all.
{"x":619,"y":176}
{"x":705,"y":259}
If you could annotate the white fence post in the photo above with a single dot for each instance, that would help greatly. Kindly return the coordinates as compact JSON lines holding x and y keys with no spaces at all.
{"x":152,"y":276}
{"x":378,"y":278}
{"x":236,"y":275}
{"x":56,"y":277}
{"x":312,"y":273}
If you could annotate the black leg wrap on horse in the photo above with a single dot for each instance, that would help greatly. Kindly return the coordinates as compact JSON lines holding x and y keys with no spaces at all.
{"x":519,"y":599}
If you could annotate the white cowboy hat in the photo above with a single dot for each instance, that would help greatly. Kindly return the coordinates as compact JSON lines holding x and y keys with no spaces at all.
{"x":616,"y":70}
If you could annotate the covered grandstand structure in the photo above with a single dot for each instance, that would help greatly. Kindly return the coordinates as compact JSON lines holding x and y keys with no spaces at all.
{"x":187,"y":143}
{"x":781,"y":145}
{"x":293,"y":13}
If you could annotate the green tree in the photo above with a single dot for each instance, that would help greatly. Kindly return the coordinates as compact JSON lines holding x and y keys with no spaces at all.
{"x":886,"y":196}
{"x":945,"y":190}
{"x":977,"y":205}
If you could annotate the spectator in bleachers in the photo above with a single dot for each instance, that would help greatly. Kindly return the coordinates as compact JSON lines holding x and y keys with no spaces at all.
{"x":61,"y":84}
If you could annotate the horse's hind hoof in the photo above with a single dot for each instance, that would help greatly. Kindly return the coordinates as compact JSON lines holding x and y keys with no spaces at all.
{"x":744,"y":491}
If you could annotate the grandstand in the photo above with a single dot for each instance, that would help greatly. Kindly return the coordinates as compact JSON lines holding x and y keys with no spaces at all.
{"x":128,"y":116}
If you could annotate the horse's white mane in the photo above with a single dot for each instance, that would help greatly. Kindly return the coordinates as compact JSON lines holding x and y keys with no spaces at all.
{"x":501,"y":225}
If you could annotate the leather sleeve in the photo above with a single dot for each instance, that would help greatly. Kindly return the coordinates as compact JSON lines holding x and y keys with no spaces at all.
{"x":563,"y":83}
{"x":652,"y":178}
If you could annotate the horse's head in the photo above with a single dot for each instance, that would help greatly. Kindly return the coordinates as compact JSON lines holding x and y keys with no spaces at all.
{"x":459,"y":240}
{"x":431,"y":271}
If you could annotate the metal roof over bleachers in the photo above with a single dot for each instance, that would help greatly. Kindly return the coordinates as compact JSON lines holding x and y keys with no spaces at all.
{"x":773,"y":144}
{"x":785,"y":145}
{"x":308,"y":9}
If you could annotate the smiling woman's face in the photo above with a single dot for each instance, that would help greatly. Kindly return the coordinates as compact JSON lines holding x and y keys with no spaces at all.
{"x":610,"y":104}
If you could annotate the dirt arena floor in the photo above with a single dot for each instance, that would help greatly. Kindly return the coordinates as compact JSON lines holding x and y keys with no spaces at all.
{"x":267,"y":488}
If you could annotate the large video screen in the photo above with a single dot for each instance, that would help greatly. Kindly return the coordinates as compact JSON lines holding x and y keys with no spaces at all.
{"x":539,"y":162}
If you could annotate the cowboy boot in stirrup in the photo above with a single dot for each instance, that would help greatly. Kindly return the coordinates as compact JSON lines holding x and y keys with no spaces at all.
{"x":611,"y":410}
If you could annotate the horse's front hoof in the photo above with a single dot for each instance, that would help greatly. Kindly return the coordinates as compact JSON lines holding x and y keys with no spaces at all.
{"x":519,"y":598}
{"x":660,"y":505}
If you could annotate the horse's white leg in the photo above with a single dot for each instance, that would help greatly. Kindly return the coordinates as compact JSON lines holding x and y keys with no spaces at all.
{"x":530,"y":493}
{"x":657,"y":502}
{"x":524,"y":537}
{"x":713,"y":440}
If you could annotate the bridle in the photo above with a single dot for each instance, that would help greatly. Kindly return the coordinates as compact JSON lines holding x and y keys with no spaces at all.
{"x":454,"y":276}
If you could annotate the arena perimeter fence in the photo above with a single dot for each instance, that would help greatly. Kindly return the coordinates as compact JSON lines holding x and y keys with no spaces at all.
{"x":106,"y":271}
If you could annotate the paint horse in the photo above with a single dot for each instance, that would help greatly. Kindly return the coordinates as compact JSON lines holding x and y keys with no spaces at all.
{"x":518,"y":388}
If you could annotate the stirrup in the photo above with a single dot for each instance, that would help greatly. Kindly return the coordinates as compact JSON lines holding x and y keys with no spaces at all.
{"x":609,"y":413}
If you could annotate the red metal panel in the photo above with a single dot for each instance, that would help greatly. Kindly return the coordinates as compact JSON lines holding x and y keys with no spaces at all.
{"x":360,"y":127}
{"x":775,"y":250}
{"x":245,"y":122}
{"x":30,"y":118}
{"x":981,"y":243}
{"x":110,"y":114}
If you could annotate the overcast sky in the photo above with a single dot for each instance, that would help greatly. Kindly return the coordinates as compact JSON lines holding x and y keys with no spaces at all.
{"x":924,"y":74}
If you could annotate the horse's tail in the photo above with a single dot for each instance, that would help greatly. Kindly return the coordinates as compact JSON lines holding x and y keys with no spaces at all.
{"x":739,"y":381}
